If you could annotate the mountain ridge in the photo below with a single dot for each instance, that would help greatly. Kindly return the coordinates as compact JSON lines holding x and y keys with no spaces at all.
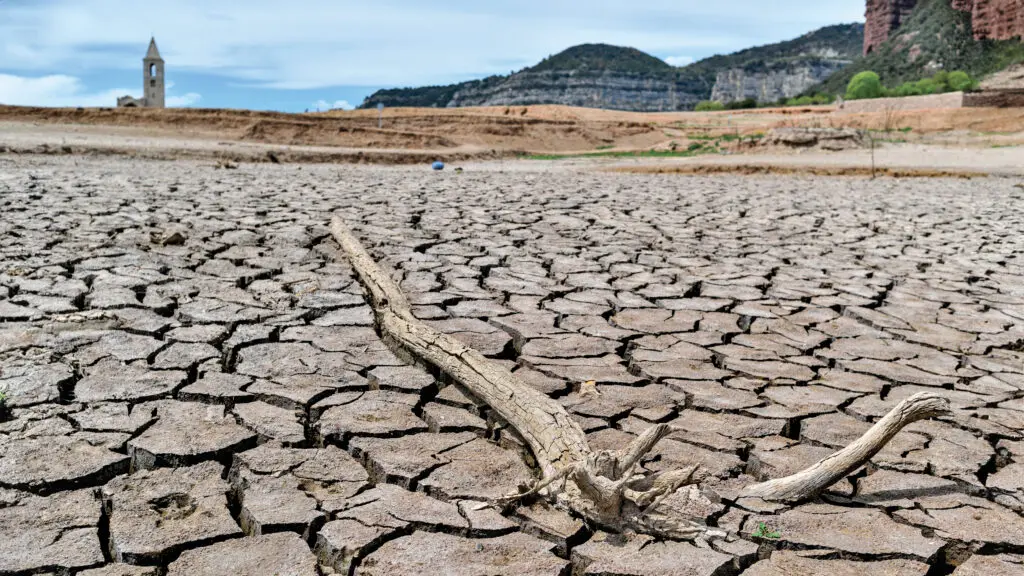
{"x":624,"y":78}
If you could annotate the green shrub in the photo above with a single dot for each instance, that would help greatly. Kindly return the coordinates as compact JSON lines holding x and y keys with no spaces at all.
{"x":709,"y":106}
{"x":960,"y":81}
{"x":742,"y":104}
{"x":866,"y":84}
{"x":909,"y":89}
{"x":940,"y":83}
{"x":929,"y":86}
{"x":809,"y":100}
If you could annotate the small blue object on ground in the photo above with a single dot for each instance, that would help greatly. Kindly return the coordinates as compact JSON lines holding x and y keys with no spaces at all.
{"x":438,"y":165}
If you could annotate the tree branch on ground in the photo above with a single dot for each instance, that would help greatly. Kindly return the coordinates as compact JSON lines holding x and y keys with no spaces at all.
{"x":602,"y":486}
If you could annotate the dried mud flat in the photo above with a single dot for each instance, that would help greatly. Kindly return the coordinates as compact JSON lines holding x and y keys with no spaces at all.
{"x":194,"y":384}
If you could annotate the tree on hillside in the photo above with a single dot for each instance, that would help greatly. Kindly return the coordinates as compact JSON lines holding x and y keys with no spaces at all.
{"x":959,"y":81}
{"x":866,"y":84}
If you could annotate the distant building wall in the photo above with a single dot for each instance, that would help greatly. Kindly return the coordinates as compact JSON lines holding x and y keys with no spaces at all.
{"x":153,"y":82}
{"x":130,"y":102}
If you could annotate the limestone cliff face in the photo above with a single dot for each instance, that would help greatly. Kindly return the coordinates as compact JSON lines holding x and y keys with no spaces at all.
{"x":772,"y":85}
{"x":994,"y":19}
{"x":614,"y":90}
{"x":882,"y":18}
{"x":623,"y":78}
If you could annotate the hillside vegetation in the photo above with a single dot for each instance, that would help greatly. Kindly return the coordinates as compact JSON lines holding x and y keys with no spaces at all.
{"x":934,"y":37}
{"x":602,"y":57}
{"x":841,"y":41}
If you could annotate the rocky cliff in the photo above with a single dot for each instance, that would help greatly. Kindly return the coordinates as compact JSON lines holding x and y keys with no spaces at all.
{"x":774,"y":83}
{"x":881,"y":18}
{"x":589,"y":75}
{"x":784,"y":70}
{"x":990,"y":19}
{"x":595,"y":89}
{"x":994,"y":19}
{"x":603,"y":76}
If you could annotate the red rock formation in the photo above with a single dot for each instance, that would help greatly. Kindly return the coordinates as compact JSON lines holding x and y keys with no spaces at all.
{"x":995,"y":19}
{"x":883,"y":17}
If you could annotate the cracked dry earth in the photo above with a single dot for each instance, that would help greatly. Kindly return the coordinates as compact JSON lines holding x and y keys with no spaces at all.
{"x":194,"y":384}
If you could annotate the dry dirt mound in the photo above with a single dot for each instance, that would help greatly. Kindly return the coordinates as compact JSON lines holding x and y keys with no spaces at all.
{"x":417,"y":129}
{"x":822,"y":138}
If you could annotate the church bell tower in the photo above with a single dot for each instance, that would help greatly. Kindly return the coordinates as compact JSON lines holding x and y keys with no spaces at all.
{"x":153,"y":75}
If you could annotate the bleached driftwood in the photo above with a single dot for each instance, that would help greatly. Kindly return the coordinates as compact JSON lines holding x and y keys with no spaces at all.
{"x":833,"y":468}
{"x":602,"y":486}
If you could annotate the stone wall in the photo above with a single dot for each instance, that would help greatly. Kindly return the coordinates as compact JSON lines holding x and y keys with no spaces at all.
{"x":984,"y":99}
{"x":948,"y":100}
{"x":995,"y":99}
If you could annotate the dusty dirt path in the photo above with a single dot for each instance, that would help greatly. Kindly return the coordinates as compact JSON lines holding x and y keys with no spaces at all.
{"x":925,"y":159}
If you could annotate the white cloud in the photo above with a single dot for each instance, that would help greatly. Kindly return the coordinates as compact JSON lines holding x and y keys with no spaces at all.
{"x":55,"y":90}
{"x":68,"y":91}
{"x":324,"y":105}
{"x":182,"y":101}
{"x":679,"y":60}
{"x":308,"y":44}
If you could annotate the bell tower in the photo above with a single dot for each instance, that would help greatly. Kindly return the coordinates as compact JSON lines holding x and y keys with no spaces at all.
{"x":153,"y":77}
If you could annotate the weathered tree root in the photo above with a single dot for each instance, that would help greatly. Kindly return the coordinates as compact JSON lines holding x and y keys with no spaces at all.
{"x":603,"y":485}
{"x":831,"y":469}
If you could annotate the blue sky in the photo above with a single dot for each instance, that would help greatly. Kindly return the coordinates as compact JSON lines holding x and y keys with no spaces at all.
{"x":304,"y":54}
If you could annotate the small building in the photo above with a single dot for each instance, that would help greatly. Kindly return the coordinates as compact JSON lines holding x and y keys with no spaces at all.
{"x":152,"y":82}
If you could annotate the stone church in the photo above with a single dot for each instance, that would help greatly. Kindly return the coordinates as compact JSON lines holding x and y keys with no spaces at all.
{"x":152,"y":82}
